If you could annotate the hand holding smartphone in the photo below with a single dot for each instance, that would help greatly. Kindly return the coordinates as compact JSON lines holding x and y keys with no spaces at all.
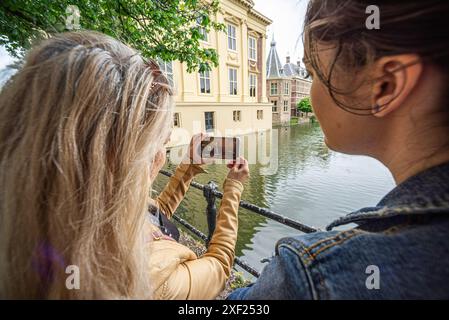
{"x":220,"y":148}
{"x":239,"y":170}
{"x":204,"y":148}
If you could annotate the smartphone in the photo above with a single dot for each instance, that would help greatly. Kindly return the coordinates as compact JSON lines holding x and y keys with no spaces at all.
{"x":221,"y":148}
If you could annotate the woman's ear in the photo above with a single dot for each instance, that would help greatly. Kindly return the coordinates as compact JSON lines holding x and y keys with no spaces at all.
{"x":396,"y":77}
{"x":158,"y":163}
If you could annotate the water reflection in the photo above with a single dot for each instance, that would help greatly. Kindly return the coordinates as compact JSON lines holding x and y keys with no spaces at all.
{"x":312,"y":185}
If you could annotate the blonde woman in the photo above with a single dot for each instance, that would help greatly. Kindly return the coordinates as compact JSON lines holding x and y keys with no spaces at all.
{"x":82,"y":131}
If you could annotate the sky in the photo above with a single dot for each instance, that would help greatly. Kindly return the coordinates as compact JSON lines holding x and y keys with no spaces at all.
{"x":5,"y":59}
{"x":288,"y":18}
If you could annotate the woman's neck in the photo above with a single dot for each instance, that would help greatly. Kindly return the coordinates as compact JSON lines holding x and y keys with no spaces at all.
{"x":416,"y":151}
{"x":402,"y":172}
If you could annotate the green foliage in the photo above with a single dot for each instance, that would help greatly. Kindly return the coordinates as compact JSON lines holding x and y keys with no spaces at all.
{"x":293,"y":121}
{"x":157,"y":28}
{"x":304,"y":105}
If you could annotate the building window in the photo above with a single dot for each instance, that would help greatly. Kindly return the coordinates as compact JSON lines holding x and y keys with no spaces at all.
{"x":285,"y":106}
{"x":236,"y":115}
{"x":232,"y":37}
{"x":176,"y":121}
{"x":167,"y":69}
{"x":252,"y":49}
{"x":209,"y":121}
{"x":308,"y":88}
{"x":232,"y":81}
{"x":287,"y":88}
{"x":274,"y":88}
{"x":205,"y":82}
{"x":275,"y":106}
{"x":252,"y":85}
{"x":259,"y":114}
{"x":202,"y":30}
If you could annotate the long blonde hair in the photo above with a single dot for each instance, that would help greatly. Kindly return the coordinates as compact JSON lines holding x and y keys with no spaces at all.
{"x":80,"y":126}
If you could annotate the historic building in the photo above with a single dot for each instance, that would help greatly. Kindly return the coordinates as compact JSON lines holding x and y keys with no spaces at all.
{"x":286,"y":85}
{"x":230,"y":99}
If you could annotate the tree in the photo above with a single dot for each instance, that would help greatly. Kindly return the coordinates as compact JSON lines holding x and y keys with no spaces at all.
{"x":305,"y":106}
{"x":168,"y":29}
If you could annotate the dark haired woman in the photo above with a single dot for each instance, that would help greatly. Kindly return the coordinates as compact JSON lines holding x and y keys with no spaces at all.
{"x":381,"y":93}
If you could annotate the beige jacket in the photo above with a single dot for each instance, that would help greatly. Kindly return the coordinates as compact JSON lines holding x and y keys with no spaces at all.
{"x":175,"y":270}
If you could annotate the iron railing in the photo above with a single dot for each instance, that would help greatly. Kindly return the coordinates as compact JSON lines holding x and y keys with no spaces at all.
{"x":210,"y":193}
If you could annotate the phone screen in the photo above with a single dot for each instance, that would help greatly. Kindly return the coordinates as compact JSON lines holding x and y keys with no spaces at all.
{"x":220,"y":148}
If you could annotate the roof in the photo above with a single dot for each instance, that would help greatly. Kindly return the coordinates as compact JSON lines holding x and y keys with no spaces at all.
{"x":249,"y":4}
{"x":294,"y":70}
{"x":274,"y":66}
{"x":261,"y":16}
{"x":275,"y":70}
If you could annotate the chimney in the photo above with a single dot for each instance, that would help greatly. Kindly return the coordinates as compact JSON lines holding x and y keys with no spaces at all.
{"x":298,"y":63}
{"x":288,"y":59}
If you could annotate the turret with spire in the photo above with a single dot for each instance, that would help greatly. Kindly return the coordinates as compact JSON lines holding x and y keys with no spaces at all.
{"x":276,"y":70}
{"x":274,"y":66}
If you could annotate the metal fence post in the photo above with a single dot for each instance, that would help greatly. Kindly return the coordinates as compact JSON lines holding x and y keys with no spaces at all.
{"x":211,"y":210}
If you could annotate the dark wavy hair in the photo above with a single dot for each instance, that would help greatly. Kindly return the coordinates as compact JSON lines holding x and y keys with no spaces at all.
{"x":418,"y":27}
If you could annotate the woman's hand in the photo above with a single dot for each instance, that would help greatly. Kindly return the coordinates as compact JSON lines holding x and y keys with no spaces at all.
{"x":239,"y":170}
{"x":194,"y":151}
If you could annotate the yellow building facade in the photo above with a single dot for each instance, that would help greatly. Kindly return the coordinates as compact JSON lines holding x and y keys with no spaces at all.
{"x":231,"y":98}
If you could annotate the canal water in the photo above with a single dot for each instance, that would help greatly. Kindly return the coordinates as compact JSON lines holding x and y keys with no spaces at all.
{"x":310,"y":183}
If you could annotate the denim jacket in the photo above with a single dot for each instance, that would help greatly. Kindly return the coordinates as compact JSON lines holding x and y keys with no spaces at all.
{"x":398,"y":250}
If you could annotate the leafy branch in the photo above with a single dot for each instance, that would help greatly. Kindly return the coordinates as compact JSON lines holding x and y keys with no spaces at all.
{"x":167,"y":29}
